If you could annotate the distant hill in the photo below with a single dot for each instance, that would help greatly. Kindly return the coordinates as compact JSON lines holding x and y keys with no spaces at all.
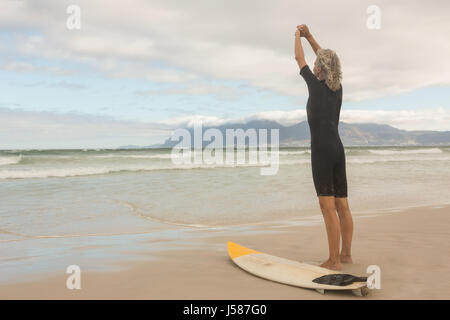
{"x":352,"y":134}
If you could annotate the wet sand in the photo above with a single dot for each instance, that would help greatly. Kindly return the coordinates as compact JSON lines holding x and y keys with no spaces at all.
{"x":410,"y":246}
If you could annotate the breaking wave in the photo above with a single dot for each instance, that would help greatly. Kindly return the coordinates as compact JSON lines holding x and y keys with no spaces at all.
{"x":4,"y":161}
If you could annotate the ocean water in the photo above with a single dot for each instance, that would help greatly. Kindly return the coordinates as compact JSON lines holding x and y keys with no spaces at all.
{"x":76,"y":192}
{"x":51,"y":200}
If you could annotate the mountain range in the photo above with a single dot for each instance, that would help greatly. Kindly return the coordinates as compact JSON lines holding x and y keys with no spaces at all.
{"x":352,"y":134}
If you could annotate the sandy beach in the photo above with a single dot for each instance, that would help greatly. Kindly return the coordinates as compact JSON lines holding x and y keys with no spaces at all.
{"x":410,"y":246}
{"x":139,"y":138}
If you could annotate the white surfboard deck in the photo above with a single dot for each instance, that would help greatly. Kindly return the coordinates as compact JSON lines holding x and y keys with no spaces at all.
{"x":287,"y":271}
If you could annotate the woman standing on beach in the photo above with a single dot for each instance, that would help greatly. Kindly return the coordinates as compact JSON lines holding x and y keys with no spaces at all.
{"x":327,"y":151}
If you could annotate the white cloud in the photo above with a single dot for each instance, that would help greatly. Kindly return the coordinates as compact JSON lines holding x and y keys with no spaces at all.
{"x":286,"y":118}
{"x":21,"y":129}
{"x":29,"y":67}
{"x":189,"y":121}
{"x":423,"y":119}
{"x":249,"y":41}
{"x":199,"y":88}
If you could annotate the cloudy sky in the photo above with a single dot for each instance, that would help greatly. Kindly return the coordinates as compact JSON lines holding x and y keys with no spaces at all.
{"x":139,"y":68}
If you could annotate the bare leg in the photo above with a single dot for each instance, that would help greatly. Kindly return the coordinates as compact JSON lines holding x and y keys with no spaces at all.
{"x":346,"y":221}
{"x":333,"y":232}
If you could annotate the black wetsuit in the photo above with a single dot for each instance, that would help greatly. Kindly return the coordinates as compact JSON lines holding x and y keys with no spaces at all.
{"x":327,"y":151}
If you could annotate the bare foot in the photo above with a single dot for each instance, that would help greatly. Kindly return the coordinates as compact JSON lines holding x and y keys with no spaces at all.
{"x":346,"y":259}
{"x":332,"y":265}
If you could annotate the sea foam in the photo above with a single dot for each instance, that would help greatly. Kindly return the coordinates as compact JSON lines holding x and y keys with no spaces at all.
{"x":4,"y":161}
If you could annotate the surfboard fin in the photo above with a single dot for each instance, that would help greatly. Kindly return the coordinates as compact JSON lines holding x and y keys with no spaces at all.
{"x":339,"y":279}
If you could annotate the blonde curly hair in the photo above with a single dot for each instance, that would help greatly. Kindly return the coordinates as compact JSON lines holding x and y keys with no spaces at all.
{"x":329,"y":64}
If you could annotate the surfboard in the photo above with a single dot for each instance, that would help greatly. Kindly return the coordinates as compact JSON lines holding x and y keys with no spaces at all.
{"x":293,"y":272}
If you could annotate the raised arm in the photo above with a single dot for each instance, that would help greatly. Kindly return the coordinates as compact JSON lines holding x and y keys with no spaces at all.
{"x":305,"y":33}
{"x":299,"y":54}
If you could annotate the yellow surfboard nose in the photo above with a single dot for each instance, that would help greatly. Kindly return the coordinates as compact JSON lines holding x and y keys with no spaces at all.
{"x":235,"y":250}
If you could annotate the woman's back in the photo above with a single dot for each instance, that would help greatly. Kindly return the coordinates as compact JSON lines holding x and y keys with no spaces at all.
{"x":323,"y":110}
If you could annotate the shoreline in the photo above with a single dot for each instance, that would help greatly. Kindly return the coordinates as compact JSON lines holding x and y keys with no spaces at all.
{"x":409,"y":245}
